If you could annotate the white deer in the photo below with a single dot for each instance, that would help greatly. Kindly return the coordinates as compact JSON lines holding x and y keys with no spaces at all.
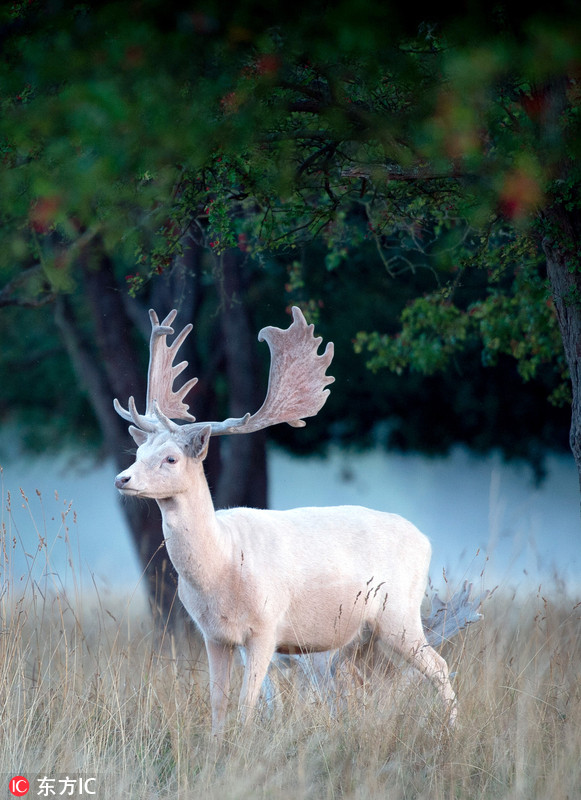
{"x":302,"y":580}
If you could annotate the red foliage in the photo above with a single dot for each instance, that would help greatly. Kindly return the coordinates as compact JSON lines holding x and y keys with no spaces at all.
{"x":43,"y":212}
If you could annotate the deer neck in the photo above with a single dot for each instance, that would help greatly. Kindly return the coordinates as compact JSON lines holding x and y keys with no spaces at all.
{"x":194,"y":540}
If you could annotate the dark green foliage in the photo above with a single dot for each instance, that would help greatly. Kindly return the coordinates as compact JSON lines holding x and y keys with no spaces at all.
{"x":39,"y":389}
{"x":472,"y":401}
{"x":387,"y":170}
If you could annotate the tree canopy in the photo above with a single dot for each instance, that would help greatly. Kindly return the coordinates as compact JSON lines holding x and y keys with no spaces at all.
{"x":424,"y":155}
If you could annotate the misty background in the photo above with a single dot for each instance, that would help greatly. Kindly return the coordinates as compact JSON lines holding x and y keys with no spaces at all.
{"x":489,"y":522}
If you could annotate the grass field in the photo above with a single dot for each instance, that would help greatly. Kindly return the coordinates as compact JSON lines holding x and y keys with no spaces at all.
{"x":86,"y":690}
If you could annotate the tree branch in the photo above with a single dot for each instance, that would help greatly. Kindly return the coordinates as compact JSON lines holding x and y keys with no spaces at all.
{"x":9,"y":296}
{"x":42,"y":293}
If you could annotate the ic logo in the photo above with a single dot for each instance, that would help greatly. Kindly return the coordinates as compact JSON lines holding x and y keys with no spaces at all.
{"x":18,"y":786}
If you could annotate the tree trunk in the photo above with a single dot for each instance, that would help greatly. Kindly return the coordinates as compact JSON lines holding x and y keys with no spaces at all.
{"x":108,"y":367}
{"x":243,"y":479}
{"x":111,"y":364}
{"x":562,"y":245}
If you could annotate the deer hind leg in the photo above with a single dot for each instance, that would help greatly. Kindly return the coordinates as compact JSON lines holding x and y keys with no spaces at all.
{"x":418,"y":653}
{"x":434,"y":667}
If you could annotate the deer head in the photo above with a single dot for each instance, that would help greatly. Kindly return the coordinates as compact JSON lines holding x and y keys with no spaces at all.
{"x":296,"y":389}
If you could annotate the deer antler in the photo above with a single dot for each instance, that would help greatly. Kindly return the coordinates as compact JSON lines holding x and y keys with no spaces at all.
{"x":163,"y":404}
{"x":296,"y":384}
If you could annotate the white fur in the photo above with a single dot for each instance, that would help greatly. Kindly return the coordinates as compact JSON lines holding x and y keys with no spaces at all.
{"x":308,"y":579}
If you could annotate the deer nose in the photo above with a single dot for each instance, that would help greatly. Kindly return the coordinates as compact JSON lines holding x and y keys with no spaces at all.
{"x":121,"y":481}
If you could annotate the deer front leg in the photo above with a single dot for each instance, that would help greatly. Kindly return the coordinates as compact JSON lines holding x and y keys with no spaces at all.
{"x":258,"y":655}
{"x":219,"y":662}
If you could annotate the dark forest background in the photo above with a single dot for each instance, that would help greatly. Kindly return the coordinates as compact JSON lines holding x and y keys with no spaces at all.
{"x":409,"y":179}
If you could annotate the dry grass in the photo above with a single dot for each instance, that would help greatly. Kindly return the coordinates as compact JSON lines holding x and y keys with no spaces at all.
{"x":86,"y":690}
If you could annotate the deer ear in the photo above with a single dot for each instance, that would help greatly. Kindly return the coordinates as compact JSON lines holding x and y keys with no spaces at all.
{"x":199,"y":442}
{"x":139,"y":436}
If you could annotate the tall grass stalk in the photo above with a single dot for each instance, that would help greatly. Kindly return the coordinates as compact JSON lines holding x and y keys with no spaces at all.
{"x":85,"y":689}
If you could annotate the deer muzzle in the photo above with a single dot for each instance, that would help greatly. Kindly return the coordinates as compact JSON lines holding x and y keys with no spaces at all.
{"x":121,"y":481}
